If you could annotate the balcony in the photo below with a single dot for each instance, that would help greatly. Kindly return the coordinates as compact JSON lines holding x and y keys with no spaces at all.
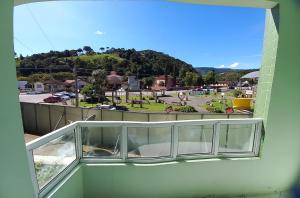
{"x":134,"y":174}
{"x":90,"y":143}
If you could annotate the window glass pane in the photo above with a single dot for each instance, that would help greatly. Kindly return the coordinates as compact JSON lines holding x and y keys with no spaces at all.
{"x":236,"y":138}
{"x":149,"y":142}
{"x":101,"y":141}
{"x":53,"y":157}
{"x":195,"y":139}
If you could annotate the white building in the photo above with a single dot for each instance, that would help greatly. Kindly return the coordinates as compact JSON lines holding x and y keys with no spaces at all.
{"x":22,"y":84}
{"x":133,"y":83}
{"x":39,"y":87}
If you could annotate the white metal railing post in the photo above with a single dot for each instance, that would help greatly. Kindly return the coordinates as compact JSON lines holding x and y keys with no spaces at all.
{"x":33,"y":173}
{"x":174,"y":141}
{"x":78,"y":142}
{"x":124,"y":140}
{"x":252,"y":137}
{"x":216,"y":138}
{"x":257,"y":138}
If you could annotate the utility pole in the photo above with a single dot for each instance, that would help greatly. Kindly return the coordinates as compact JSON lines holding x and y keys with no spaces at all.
{"x":51,"y":78}
{"x":76,"y":85}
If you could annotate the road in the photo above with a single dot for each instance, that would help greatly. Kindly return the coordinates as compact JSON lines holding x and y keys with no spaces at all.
{"x":36,"y":98}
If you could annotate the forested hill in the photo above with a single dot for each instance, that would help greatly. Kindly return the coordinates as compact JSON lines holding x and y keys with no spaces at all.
{"x":125,"y":61}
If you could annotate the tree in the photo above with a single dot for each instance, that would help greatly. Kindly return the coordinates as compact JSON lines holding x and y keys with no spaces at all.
{"x":88,"y":50}
{"x":87,"y":90}
{"x":102,"y":49}
{"x":229,"y":76}
{"x":188,"y":79}
{"x":210,"y":77}
{"x":39,"y":77}
{"x":99,"y":83}
{"x":79,"y":51}
{"x":63,"y":76}
{"x":192,"y":79}
{"x":148,"y":81}
{"x":22,"y":78}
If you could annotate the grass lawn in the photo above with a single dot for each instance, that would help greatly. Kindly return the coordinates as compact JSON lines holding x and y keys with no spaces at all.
{"x":152,"y":107}
{"x":217,"y":104}
{"x":85,"y":104}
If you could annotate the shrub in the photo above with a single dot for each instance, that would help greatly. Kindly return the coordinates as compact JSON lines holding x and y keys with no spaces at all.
{"x":92,"y":100}
{"x":169,"y":108}
{"x":210,"y":108}
{"x":237,"y":93}
{"x":185,"y":108}
{"x":218,"y":110}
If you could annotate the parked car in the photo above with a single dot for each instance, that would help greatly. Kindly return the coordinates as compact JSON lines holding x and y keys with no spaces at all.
{"x":70,"y":94}
{"x":105,"y":107}
{"x":65,"y":95}
{"x":53,"y":99}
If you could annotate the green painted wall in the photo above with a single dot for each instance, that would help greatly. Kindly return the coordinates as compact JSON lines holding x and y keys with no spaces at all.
{"x":70,"y":187}
{"x":275,"y":171}
{"x":189,"y":179}
{"x":268,"y":64}
{"x":15,"y":181}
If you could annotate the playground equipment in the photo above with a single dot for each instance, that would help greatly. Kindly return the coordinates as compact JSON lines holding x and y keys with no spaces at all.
{"x":242,"y":103}
{"x":183,"y":98}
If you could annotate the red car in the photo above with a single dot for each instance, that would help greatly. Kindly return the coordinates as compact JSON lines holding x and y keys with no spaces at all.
{"x":52,"y":99}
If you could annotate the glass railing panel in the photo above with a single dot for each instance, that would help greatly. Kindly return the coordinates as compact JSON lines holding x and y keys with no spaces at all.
{"x":236,"y":138}
{"x":195,"y":139}
{"x":53,"y":157}
{"x":101,"y":142}
{"x":149,"y":142}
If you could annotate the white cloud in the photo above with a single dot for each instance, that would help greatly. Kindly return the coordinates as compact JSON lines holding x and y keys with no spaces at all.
{"x":234,"y":65}
{"x":98,"y":32}
{"x":221,"y":66}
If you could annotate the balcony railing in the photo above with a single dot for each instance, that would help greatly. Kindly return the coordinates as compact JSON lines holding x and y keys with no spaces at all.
{"x":54,"y":155}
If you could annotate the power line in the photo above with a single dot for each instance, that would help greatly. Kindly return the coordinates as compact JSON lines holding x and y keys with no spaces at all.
{"x":25,"y":46}
{"x":40,"y":27}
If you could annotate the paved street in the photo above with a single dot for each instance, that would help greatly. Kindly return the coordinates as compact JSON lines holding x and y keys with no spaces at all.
{"x":36,"y":98}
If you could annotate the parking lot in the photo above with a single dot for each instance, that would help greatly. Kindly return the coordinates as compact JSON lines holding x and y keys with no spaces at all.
{"x":35,"y":98}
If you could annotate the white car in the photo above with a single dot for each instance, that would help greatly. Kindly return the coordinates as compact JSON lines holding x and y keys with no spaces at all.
{"x":62,"y":96}
{"x":108,"y":107}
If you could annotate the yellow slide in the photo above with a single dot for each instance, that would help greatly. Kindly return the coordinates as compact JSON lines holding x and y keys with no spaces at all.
{"x":242,"y":103}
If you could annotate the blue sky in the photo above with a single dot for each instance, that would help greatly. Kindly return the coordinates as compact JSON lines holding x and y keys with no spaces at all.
{"x":204,"y":36}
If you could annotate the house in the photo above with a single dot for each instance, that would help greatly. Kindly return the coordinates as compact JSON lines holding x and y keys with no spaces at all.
{"x":70,"y":84}
{"x":133,"y":83}
{"x":114,"y":81}
{"x":163,"y":82}
{"x":39,"y":87}
{"x":22,"y":84}
{"x":54,"y":86}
